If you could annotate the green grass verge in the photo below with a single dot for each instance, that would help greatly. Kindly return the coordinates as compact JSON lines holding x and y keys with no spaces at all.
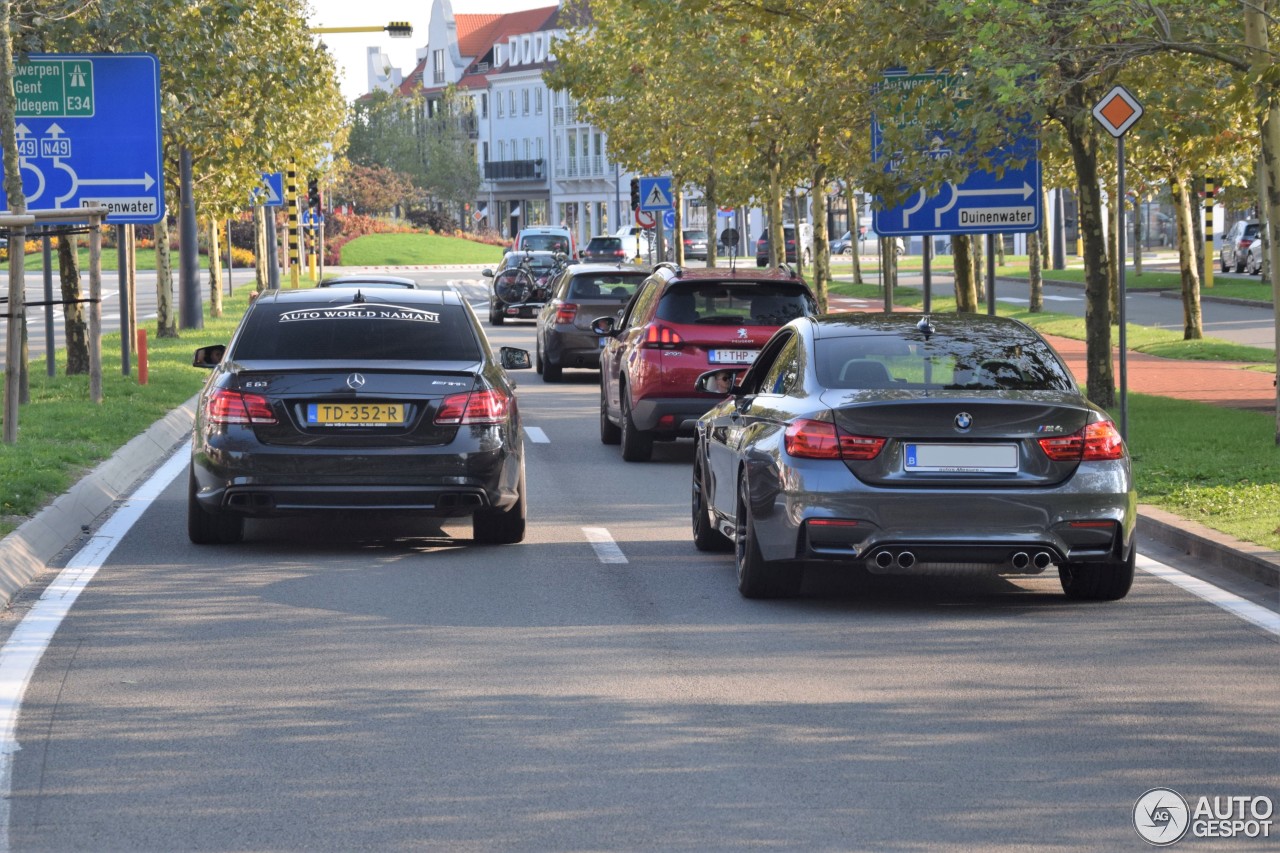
{"x":1234,"y":288}
{"x":1218,"y":466}
{"x":414,"y":249}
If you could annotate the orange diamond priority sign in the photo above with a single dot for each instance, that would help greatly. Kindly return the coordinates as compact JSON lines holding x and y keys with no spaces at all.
{"x":1117,"y":111}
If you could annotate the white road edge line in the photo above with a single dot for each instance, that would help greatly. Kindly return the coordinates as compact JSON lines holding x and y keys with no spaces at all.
{"x":1228,"y":601}
{"x":536,"y":435}
{"x":25,"y":646}
{"x":606,"y":549}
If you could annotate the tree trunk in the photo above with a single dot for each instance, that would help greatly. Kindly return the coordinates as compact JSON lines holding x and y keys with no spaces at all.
{"x":962,"y":261}
{"x":1113,"y":255}
{"x":979,"y":274}
{"x":1035,"y":275}
{"x":777,"y":248}
{"x":1081,"y":134}
{"x":166,"y":322}
{"x":1137,"y":235}
{"x":215,"y":270}
{"x":75,"y":326}
{"x":855,"y":223}
{"x":1197,"y":224}
{"x":889,"y":269}
{"x":999,"y":250}
{"x":1192,"y":329}
{"x":1257,"y":39}
{"x":260,"y":261}
{"x":795,"y":220}
{"x":1044,"y":232}
{"x":713,"y":220}
{"x":821,"y":257}
{"x":676,"y":237}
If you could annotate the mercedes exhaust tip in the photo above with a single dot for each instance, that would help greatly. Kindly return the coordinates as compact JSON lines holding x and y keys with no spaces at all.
{"x":1043,"y":559}
{"x":1021,"y":560}
{"x":906,"y":560}
{"x":884,"y":559}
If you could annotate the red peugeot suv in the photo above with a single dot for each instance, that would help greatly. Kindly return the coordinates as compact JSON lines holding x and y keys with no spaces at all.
{"x":680,"y":324}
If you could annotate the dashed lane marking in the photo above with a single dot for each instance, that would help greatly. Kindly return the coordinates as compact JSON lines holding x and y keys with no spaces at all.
{"x":606,"y":549}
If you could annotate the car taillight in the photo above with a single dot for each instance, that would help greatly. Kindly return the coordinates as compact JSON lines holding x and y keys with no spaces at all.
{"x":566,"y":312}
{"x":233,"y":407}
{"x":1096,"y":442}
{"x":662,"y":337}
{"x":618,"y":253}
{"x":808,"y":439}
{"x":477,"y":407}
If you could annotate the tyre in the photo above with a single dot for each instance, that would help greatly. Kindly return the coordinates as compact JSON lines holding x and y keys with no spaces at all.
{"x":495,"y":316}
{"x":609,"y":431}
{"x":551,"y":372}
{"x":494,"y":526}
{"x":1226,"y":267}
{"x":757,"y":577}
{"x":210,"y":528}
{"x":637,"y":444}
{"x":705,"y":536}
{"x":848,"y":251}
{"x":1239,"y":263}
{"x":1109,"y":581}
{"x":537,"y":355}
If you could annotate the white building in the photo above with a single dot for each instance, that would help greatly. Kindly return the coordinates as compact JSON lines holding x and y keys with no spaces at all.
{"x":540,"y":164}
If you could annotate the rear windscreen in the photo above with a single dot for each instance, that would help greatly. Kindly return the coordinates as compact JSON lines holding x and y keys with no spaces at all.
{"x":544,"y":243}
{"x":604,"y":244}
{"x":358,"y":332}
{"x":608,"y":285}
{"x":946,"y":363}
{"x":718,"y":303}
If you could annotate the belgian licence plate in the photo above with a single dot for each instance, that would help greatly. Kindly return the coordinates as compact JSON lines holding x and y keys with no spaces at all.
{"x":962,"y":458}
{"x":732,"y":356}
{"x":355,"y":414}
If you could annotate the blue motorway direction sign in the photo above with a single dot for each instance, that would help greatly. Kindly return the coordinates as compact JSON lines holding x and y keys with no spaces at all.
{"x":655,"y":193}
{"x":980,"y":204}
{"x":88,"y":132}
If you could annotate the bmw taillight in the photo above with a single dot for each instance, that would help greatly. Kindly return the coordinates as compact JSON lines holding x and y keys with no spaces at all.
{"x":1095,"y":443}
{"x":478,"y":407}
{"x":809,"y":439}
{"x":566,"y":312}
{"x":662,"y":337}
{"x":233,"y":407}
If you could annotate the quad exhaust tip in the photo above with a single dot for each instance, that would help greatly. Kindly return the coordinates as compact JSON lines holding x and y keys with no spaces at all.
{"x":1043,"y":559}
{"x":884,"y":559}
{"x":906,"y":560}
{"x":1021,"y":560}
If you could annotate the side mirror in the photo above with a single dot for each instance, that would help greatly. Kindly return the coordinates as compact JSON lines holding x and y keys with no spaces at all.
{"x":487,"y":273}
{"x":602,"y":326}
{"x":514,"y":359}
{"x":719,"y":382}
{"x":209,"y":356}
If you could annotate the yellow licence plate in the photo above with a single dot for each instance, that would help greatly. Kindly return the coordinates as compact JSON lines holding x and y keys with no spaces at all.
{"x":363,"y":414}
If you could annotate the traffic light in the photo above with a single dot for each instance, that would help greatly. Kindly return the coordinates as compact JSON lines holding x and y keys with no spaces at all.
{"x":399,"y":29}
{"x":313,"y":194}
{"x":635,"y":193}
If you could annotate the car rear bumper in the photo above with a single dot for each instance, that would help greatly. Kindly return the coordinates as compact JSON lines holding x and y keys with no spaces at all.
{"x":573,"y":349}
{"x":671,"y":416}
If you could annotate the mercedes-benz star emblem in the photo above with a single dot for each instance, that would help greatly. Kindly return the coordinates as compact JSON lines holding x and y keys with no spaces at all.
{"x":355,"y":381}
{"x":964,"y":420}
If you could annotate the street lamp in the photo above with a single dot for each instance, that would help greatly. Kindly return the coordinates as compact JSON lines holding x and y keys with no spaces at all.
{"x":395,"y":29}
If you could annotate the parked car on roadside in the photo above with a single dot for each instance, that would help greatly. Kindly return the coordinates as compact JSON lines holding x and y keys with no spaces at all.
{"x":637,"y":242}
{"x":1232,"y":255}
{"x":579,"y":295}
{"x":682,"y":322}
{"x":695,"y":245}
{"x":913,"y":444}
{"x":843,"y":245}
{"x":804,"y":244}
{"x":1256,"y":252}
{"x":345,"y":400}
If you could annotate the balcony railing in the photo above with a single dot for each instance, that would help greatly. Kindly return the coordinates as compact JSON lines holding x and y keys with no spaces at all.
{"x":582,"y":167}
{"x":513,"y":170}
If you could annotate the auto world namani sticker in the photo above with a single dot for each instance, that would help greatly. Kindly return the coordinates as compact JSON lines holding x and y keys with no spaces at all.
{"x":361,"y":312}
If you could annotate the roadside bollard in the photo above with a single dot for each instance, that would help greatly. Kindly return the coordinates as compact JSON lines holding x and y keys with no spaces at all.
{"x":142,"y":356}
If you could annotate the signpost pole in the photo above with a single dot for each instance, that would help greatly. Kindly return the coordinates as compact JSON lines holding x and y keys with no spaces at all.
{"x":190,"y":305}
{"x":927,"y":271}
{"x":46,"y":250}
{"x":991,"y":275}
{"x":1124,"y":349}
{"x":122,"y":265}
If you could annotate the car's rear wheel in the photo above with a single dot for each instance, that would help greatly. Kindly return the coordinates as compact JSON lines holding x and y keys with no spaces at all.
{"x":847,"y":251}
{"x":1226,"y":267}
{"x":1109,"y":581}
{"x":758,"y":577}
{"x":637,"y":444}
{"x":494,"y":526}
{"x":495,"y":316}
{"x":550,"y":372}
{"x":609,"y":431}
{"x":1239,"y":262}
{"x":705,"y":536}
{"x":537,"y":355}
{"x":210,"y":528}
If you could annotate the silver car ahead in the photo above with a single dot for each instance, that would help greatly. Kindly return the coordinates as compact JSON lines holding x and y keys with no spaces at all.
{"x":913,"y":444}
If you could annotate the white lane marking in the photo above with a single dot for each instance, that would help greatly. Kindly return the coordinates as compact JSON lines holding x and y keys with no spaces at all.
{"x":1048,"y":297}
{"x":607,"y":551}
{"x":536,"y":435}
{"x":22,"y":653}
{"x":1230,"y":602}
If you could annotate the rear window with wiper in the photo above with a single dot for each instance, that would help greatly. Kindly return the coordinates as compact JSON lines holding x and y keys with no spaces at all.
{"x":720,"y":303}
{"x":357,"y":331}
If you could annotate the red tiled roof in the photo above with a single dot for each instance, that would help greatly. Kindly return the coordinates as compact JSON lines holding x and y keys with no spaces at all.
{"x":477,"y":33}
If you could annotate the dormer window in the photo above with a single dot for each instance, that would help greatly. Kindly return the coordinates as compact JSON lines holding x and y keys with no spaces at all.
{"x":437,"y":67}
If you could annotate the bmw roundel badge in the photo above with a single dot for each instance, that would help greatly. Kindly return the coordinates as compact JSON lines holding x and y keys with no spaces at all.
{"x":963,"y":421}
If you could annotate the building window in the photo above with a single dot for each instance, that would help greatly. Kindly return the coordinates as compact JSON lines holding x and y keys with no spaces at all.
{"x":528,"y":149}
{"x":511,"y":102}
{"x":499,"y":104}
{"x":484,"y":105}
{"x":537,"y":101}
{"x":525,"y":95}
{"x":502,"y":150}
{"x":540,"y":148}
{"x":486,"y":151}
{"x":437,"y":65}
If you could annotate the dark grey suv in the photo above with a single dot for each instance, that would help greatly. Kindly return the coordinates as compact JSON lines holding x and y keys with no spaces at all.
{"x":579,"y":295}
